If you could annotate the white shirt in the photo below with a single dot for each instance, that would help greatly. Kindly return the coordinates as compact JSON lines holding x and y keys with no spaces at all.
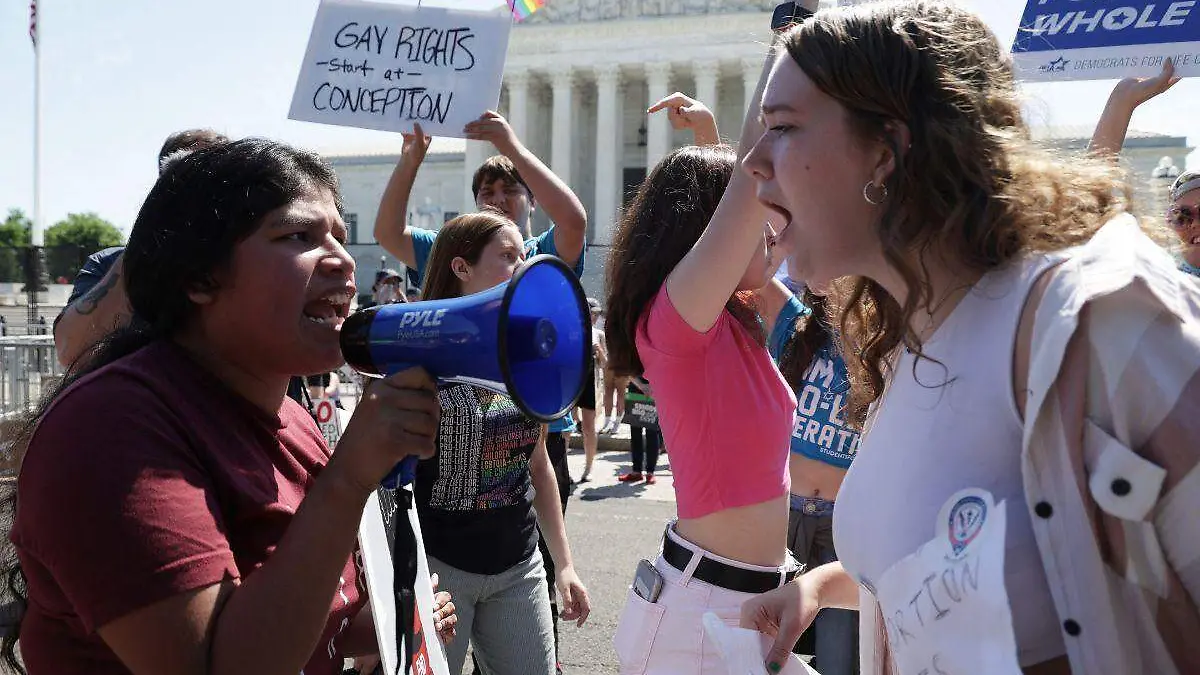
{"x":949,"y":426}
{"x":1110,"y":459}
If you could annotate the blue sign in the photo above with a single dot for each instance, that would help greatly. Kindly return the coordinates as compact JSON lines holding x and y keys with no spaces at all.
{"x":1101,"y":39}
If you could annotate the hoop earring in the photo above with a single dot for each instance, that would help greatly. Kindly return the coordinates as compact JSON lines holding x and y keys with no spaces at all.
{"x":867,"y":193}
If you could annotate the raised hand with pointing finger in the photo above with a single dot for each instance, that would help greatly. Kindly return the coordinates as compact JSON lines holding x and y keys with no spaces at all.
{"x":685,"y":112}
{"x":415,"y":145}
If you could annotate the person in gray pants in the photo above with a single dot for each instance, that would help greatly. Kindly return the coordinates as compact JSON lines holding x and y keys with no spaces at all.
{"x":482,"y":497}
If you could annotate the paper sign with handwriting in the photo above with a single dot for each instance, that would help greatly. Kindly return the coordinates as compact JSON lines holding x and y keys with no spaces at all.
{"x":389,"y":66}
{"x":945,"y":607}
{"x":1106,"y":39}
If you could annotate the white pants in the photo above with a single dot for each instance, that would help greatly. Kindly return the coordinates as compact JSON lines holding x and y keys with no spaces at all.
{"x":667,"y":636}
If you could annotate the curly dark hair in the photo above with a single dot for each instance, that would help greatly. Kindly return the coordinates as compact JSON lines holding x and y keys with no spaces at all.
{"x":663,"y":222}
{"x":811,"y":334}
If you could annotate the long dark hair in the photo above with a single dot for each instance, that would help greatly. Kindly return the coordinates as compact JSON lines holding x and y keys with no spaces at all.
{"x":463,"y":237}
{"x":665,"y":220}
{"x":972,"y":186}
{"x":202,"y":206}
{"x":811,"y":334}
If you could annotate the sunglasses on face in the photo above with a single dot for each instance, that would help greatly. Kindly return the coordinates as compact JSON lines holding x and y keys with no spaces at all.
{"x":1182,"y":217}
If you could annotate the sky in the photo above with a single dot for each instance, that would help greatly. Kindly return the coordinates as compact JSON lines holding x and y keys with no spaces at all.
{"x":118,"y":77}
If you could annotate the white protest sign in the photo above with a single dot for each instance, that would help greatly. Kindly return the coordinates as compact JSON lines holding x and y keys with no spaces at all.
{"x":377,"y":522}
{"x":388,"y":66}
{"x":945,"y":607}
{"x":1106,"y":39}
{"x":328,"y":420}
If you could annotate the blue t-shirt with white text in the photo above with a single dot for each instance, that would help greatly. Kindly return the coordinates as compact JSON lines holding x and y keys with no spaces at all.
{"x":820,"y":431}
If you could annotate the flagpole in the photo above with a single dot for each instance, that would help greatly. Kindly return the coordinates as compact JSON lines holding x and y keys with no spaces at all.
{"x":35,"y":266}
{"x":37,"y":237}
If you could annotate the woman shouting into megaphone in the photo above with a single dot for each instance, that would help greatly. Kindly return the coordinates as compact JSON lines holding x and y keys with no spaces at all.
{"x":476,"y":498}
{"x":178,"y":513}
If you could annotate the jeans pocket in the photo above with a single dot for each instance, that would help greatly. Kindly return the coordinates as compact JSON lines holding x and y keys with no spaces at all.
{"x":635,"y":634}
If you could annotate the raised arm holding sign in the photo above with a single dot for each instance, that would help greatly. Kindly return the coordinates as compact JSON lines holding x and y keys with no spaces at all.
{"x":516,"y":182}
{"x":387,"y":66}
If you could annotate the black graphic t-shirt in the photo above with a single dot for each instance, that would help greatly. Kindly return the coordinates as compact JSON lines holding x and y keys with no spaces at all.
{"x":475,"y":497}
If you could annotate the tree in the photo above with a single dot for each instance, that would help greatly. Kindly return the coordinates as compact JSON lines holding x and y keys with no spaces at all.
{"x":69,"y":242}
{"x":14,"y":235}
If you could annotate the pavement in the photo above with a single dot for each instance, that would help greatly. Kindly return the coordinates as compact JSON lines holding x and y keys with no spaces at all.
{"x":611,"y":526}
{"x":612,"y":459}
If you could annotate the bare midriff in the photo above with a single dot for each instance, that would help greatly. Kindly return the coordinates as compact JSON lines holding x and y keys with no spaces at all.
{"x":813,"y":478}
{"x":754,"y":534}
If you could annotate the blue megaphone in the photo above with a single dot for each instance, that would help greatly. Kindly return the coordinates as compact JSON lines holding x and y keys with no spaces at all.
{"x":529,"y":338}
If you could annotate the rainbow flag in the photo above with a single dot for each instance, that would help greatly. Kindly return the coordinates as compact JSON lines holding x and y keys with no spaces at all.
{"x":523,"y":9}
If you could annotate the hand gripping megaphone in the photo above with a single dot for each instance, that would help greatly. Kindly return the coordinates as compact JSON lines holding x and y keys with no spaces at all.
{"x":530,"y":338}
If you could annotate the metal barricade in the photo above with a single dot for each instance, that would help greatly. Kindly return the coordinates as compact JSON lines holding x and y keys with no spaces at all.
{"x":28,"y":368}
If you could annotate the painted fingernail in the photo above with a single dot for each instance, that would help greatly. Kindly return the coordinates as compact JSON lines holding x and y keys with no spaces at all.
{"x":774,"y":667}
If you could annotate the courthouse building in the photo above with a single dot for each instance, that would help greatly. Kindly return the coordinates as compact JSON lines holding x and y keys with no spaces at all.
{"x":577,"y":81}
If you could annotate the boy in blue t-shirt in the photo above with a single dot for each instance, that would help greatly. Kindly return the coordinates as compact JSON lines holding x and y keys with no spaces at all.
{"x":516,"y":182}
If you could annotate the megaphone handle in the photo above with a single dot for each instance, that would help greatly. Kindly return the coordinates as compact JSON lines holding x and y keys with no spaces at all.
{"x":404,"y":473}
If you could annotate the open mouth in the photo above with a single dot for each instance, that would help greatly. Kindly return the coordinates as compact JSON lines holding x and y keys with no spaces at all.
{"x":779,"y":233}
{"x":779,"y":222}
{"x":330,"y":309}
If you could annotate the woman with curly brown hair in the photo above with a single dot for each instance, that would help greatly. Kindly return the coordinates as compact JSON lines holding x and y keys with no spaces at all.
{"x":1015,"y":337}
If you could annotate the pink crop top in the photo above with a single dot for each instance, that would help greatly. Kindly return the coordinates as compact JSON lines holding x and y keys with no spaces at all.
{"x":724,"y":409}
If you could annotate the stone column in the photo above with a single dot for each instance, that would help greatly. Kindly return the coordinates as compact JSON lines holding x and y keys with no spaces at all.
{"x":518,"y":103}
{"x":707,"y":74}
{"x":751,"y":69}
{"x":475,"y":154}
{"x":563,"y":82}
{"x":658,"y":127}
{"x":608,"y":144}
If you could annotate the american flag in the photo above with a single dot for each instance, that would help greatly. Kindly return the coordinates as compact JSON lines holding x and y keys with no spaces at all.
{"x":33,"y":22}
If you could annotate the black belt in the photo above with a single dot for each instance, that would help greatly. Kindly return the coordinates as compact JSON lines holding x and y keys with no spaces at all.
{"x":720,"y":574}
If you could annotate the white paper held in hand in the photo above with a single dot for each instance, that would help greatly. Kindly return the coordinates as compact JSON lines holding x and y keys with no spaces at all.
{"x":744,"y":651}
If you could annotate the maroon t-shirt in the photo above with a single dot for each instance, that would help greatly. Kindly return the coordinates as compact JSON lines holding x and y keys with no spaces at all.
{"x":146,"y":479}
